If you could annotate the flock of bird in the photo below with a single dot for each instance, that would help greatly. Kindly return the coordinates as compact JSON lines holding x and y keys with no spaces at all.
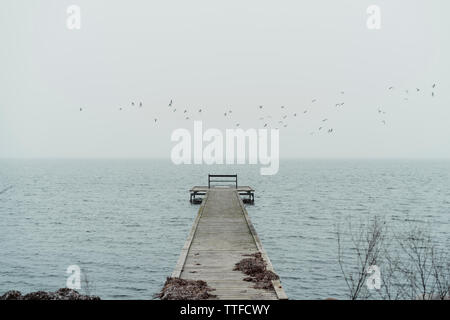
{"x":282,"y":121}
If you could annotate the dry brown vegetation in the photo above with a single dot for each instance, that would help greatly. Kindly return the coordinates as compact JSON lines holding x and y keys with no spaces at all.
{"x":256,"y":269}
{"x":182,"y":289}
{"x":61,"y":294}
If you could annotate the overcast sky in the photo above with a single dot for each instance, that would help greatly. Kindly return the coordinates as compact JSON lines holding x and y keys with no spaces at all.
{"x":220,"y":56}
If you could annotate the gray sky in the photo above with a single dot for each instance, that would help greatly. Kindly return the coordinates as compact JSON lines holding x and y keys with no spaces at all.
{"x":221,"y":55}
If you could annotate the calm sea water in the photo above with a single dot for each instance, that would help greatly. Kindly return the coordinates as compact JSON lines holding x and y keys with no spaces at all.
{"x":124,"y":222}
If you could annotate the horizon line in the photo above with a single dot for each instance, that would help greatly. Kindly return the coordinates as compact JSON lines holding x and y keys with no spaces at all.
{"x":280,"y":158}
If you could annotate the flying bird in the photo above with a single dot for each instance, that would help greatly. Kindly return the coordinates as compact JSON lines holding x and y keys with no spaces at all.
{"x":81,"y":109}
{"x":6,"y":189}
{"x":170,"y":103}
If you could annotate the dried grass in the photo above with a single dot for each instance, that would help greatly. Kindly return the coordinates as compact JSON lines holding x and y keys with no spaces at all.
{"x":256,"y":269}
{"x":182,"y":289}
{"x":61,"y":294}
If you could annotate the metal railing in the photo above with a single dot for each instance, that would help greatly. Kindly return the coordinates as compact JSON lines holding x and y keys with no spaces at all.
{"x":235,"y":180}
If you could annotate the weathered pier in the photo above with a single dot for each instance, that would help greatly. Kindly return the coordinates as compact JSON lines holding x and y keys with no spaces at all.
{"x":221,"y":236}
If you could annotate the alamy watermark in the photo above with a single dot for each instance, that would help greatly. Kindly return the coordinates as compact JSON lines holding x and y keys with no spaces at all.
{"x":73,"y":21}
{"x":374,"y":19}
{"x":74,"y":279}
{"x":240,"y":147}
{"x":374,"y":280}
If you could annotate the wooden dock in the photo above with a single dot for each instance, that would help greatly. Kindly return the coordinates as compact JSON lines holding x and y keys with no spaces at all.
{"x":221,"y":235}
